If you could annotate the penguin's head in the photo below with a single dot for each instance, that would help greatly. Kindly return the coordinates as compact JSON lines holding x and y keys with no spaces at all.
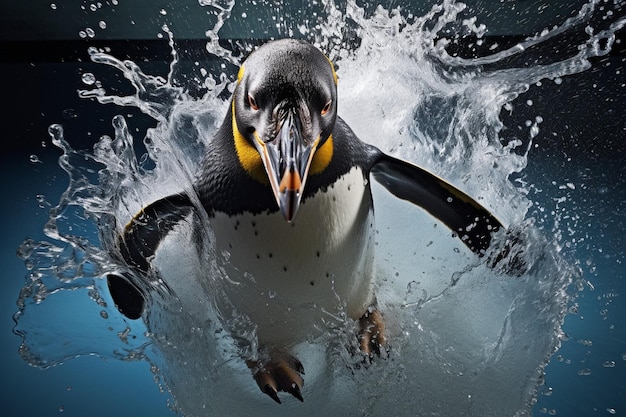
{"x":283,"y":113}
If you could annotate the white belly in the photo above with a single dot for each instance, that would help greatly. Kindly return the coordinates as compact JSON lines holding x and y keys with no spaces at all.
{"x":290,"y":278}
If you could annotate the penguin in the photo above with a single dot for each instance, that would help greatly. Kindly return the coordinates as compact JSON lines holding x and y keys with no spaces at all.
{"x":285,"y":185}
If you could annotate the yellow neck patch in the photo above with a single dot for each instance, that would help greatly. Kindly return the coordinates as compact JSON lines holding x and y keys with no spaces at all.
{"x":247,"y":154}
{"x":322,"y":156}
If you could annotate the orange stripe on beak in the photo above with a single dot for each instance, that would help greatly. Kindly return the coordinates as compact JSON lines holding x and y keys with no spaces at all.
{"x":291,"y":181}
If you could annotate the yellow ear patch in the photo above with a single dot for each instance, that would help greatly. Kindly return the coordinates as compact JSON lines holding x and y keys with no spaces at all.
{"x":240,"y":74}
{"x":322,"y":156}
{"x":332,"y":67}
{"x":247,"y":154}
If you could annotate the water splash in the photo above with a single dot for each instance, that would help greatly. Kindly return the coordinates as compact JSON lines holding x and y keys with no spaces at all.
{"x":453,"y":353}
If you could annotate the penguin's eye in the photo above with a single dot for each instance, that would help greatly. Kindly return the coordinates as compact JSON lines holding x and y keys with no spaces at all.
{"x":327,"y":107}
{"x":252,"y":103}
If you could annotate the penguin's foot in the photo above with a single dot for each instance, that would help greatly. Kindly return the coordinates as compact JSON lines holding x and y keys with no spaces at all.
{"x":372,"y":339}
{"x":280,"y":373}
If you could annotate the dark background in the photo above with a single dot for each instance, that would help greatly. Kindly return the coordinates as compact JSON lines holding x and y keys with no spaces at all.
{"x":42,"y":56}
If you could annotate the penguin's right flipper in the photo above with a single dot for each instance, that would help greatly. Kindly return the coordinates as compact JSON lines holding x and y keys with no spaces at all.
{"x":470,"y":221}
{"x":138,"y":244}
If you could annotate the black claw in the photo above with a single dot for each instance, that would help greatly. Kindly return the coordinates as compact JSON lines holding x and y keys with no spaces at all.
{"x":368,"y":359}
{"x":295,"y":391}
{"x":269,"y":390}
{"x":299,"y":367}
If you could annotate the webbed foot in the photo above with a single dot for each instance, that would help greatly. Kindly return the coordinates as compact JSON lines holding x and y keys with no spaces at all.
{"x":372,"y":339}
{"x":280,"y":373}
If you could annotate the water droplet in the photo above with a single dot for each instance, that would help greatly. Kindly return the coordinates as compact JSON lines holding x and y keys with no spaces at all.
{"x":123,"y":335}
{"x":70,"y":114}
{"x":534,"y":131}
{"x":61,"y":409}
{"x":249,"y":276}
{"x":611,"y":411}
{"x":163,"y":12}
{"x":584,"y":372}
{"x":53,"y":6}
{"x":104,"y":314}
{"x":609,"y":364}
{"x":34,"y":159}
{"x":88,"y":78}
{"x":102,"y":24}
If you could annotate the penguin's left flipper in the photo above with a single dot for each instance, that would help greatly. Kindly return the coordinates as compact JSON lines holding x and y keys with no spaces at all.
{"x":470,"y":221}
{"x":139,"y":242}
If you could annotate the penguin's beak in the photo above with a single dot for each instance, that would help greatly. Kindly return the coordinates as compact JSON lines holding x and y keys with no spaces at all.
{"x":287,"y":159}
